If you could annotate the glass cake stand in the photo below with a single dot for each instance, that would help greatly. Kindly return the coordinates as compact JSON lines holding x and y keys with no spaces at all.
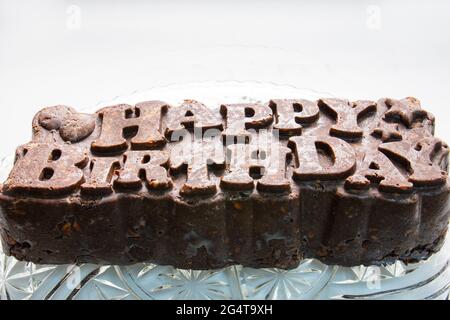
{"x":429,"y":279}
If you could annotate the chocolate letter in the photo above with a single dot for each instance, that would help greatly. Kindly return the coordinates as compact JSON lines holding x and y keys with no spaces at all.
{"x":346,"y":116}
{"x":119,"y":121}
{"x":241,"y":159}
{"x":290,"y":113}
{"x":307,"y":150}
{"x":274,"y":178}
{"x":244,"y":159}
{"x":101,"y":174}
{"x":144,"y":165}
{"x":244,"y":116}
{"x":195,"y":158}
{"x":418,"y":160}
{"x":377,"y":168}
{"x":192,"y":114}
{"x":47,"y":169}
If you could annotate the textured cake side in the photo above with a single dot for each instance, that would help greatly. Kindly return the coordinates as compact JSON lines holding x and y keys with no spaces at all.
{"x":337,"y":228}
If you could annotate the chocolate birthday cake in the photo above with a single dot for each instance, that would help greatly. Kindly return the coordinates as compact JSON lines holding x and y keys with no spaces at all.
{"x":204,"y":187}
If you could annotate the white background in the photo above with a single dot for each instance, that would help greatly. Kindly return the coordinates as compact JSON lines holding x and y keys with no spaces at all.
{"x":82,"y":52}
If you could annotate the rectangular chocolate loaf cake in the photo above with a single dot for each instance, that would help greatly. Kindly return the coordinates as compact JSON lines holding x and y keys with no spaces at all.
{"x":197,"y":187}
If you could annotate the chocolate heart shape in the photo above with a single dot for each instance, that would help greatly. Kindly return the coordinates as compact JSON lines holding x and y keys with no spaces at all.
{"x":51,"y":118}
{"x":76,"y":127}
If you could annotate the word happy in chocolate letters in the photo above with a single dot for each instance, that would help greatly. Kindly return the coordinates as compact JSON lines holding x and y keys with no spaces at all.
{"x":199,"y":150}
